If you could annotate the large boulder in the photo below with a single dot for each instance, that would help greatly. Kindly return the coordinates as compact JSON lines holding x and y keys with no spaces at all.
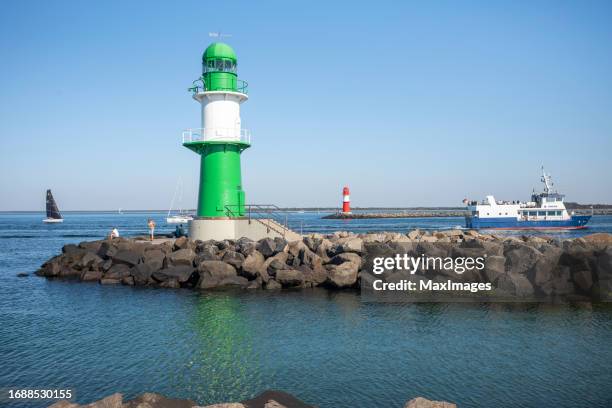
{"x":433,"y":249}
{"x":127,"y":257}
{"x":67,"y":271}
{"x":252,"y":264}
{"x":93,"y":275}
{"x":294,"y":248}
{"x":91,"y":246}
{"x":344,"y":274}
{"x":245,"y":246}
{"x":142,"y":272}
{"x":491,"y":248}
{"x":236,"y":259}
{"x":275,"y":266}
{"x":290,"y":277}
{"x":515,"y":285}
{"x":155,"y":259}
{"x":312,"y":243}
{"x":599,"y":240}
{"x":603,"y":270}
{"x":309,"y":258}
{"x":90,"y":260}
{"x":583,"y":279}
{"x":346,"y":257}
{"x":315,"y":276}
{"x":184,"y":274}
{"x":240,"y":281}
{"x":207,"y":252}
{"x":324,"y":248}
{"x":107,"y":250}
{"x":147,"y":400}
{"x":70,"y":249}
{"x":560,"y":284}
{"x":183,"y":243}
{"x":117,"y":271}
{"x":50,"y":268}
{"x":414,"y":234}
{"x":273,"y":399}
{"x":420,"y":402}
{"x":281,"y":257}
{"x":520,"y":258}
{"x":281,"y":244}
{"x":351,"y":244}
{"x":272,"y":284}
{"x":182,"y":257}
{"x":267,"y":247}
{"x":541,"y":272}
{"x":216,"y":269}
{"x":494,"y":267}
{"x":152,"y":400}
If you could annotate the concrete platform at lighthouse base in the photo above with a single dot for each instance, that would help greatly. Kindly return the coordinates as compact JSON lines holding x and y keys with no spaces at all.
{"x":218,"y":229}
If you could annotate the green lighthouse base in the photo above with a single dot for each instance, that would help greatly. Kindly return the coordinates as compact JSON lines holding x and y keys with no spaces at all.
{"x":219,"y":229}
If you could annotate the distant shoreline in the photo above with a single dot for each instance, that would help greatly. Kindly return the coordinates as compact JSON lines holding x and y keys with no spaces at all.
{"x":599,"y":209}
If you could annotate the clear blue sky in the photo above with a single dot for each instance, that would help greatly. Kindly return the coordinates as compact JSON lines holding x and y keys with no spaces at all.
{"x":409,"y":103}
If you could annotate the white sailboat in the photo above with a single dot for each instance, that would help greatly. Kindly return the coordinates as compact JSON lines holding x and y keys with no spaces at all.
{"x":53,"y":214}
{"x":182,"y":217}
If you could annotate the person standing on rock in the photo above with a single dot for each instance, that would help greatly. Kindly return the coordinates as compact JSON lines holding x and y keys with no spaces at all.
{"x":151,"y":225}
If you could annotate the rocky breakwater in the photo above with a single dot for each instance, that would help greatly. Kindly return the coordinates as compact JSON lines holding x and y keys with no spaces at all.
{"x":268,"y":263}
{"x":520,"y":266}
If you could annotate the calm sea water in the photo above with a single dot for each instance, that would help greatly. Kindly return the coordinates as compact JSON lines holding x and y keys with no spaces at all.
{"x":328,"y":349}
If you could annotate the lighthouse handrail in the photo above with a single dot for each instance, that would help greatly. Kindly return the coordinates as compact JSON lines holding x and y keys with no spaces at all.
{"x":200,"y":86}
{"x":263,"y":213}
{"x":216,"y":135}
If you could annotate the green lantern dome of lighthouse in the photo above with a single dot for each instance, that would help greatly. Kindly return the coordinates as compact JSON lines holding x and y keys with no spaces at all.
{"x":219,"y":69}
{"x":219,"y":51}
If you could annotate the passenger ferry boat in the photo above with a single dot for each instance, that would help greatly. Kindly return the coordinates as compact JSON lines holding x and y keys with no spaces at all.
{"x":545,"y":211}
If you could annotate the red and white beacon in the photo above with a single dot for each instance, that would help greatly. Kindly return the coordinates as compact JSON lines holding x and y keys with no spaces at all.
{"x":346,"y":201}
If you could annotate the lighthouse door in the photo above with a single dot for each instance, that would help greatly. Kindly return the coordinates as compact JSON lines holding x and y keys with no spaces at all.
{"x":240,"y":202}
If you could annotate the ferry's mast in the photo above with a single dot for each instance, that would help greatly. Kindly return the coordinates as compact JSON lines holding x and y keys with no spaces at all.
{"x":547,"y":180}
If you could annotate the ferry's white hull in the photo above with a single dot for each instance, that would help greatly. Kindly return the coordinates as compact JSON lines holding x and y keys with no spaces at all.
{"x":53,"y":220}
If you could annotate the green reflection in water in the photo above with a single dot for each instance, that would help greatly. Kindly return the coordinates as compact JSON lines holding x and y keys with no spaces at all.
{"x":223,"y":364}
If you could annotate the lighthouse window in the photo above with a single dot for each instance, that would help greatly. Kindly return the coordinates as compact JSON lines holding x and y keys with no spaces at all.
{"x":230,"y":66}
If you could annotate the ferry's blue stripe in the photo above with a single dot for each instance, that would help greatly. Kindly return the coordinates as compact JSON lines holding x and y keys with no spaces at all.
{"x":576,"y":221}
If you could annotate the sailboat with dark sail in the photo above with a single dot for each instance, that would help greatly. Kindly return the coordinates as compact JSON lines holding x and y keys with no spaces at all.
{"x":53,"y":214}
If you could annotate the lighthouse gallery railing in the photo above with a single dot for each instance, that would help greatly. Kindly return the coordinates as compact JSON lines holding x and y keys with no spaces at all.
{"x":238,"y":85}
{"x":216,"y":135}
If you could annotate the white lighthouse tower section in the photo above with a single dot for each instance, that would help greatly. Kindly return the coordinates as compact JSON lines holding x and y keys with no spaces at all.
{"x":221,"y":116}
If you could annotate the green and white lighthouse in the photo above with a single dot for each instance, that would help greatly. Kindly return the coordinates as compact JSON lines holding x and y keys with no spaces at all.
{"x":220,"y":141}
